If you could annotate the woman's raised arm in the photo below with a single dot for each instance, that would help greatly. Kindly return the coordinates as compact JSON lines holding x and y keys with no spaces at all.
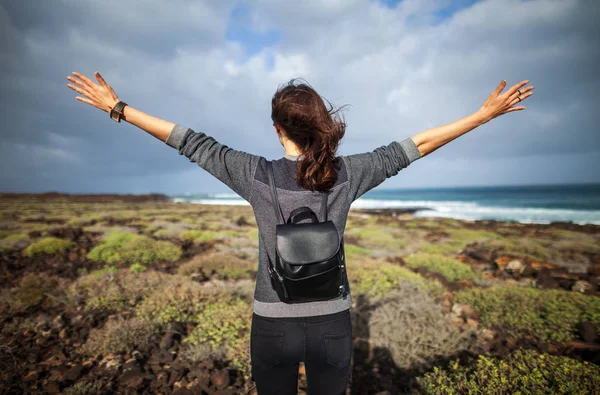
{"x":232,"y":167}
{"x":495,"y":105}
{"x":103,"y":97}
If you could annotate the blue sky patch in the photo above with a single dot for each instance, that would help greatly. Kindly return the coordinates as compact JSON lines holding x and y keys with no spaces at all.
{"x":240,"y":29}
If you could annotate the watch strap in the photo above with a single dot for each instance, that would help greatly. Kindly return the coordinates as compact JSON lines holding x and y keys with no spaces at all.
{"x":117,"y":111}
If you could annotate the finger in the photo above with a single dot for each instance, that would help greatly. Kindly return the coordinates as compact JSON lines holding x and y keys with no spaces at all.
{"x":89,"y":83}
{"x":500,"y":87}
{"x":101,"y":80}
{"x":85,"y":100}
{"x":513,"y":109}
{"x":79,"y":90}
{"x":80,"y":83}
{"x":521,"y":97}
{"x":106,"y":86}
{"x":522,"y":93}
{"x":514,"y":88}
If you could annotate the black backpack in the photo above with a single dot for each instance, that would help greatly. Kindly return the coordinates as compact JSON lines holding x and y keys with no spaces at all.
{"x":309,"y":262}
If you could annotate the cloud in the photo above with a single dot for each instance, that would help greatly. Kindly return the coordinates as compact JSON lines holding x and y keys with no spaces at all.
{"x":213,"y":66}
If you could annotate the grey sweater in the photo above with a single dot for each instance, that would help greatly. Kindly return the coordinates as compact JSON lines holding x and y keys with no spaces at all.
{"x":246,"y":175}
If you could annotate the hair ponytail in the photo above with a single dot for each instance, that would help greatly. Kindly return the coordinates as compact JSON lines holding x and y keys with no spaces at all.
{"x":314,"y":128}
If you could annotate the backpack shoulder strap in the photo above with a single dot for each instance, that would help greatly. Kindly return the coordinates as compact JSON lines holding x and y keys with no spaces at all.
{"x":276,"y":206}
{"x":324,"y":207}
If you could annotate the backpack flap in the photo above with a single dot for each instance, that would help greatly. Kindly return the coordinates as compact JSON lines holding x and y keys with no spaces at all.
{"x":309,"y":243}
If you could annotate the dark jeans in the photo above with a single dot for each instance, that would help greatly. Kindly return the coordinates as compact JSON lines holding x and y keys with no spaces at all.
{"x":323,"y":343}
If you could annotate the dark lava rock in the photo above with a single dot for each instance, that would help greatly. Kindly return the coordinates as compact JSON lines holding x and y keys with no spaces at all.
{"x":167,"y":341}
{"x":241,"y":221}
{"x":545,"y":279}
{"x":588,"y":332}
{"x":74,"y":373}
{"x":66,"y":233}
{"x":133,"y":378}
{"x":220,"y":378}
{"x":528,"y":271}
{"x":479,"y":255}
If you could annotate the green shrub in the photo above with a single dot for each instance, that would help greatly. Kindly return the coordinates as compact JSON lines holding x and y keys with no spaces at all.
{"x":129,"y":248}
{"x":118,"y":336}
{"x":547,"y":314}
{"x":222,"y":265}
{"x":202,"y":235}
{"x":180,"y":300}
{"x":87,"y":386}
{"x":377,"y":236}
{"x":110,"y":289}
{"x":225,"y":323}
{"x":31,"y":290}
{"x":450,"y":268}
{"x":11,"y":241}
{"x":48,"y":245}
{"x":524,"y":247}
{"x":457,"y":240}
{"x":137,"y":268}
{"x":376,"y":280}
{"x":523,"y":372}
{"x":411,"y":326}
{"x":355,"y":252}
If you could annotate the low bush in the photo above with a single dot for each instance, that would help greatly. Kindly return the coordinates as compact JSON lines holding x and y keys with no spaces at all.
{"x":203,"y":235}
{"x":450,"y":268}
{"x":111,"y":289}
{"x":355,"y":252}
{"x":457,"y":239}
{"x":30,"y":291}
{"x":118,"y":336}
{"x":225,"y":323}
{"x":523,"y":372}
{"x":538,"y":249}
{"x":128,"y":248}
{"x":48,"y":245}
{"x":223,"y":266}
{"x":412,"y":327}
{"x":87,"y":386}
{"x":179,"y":300}
{"x":377,"y":279}
{"x":137,"y":268}
{"x":13,"y":241}
{"x":547,"y":314}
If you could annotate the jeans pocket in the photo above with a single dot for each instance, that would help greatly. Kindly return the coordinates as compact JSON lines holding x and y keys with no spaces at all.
{"x":338,"y":348}
{"x":266,"y":348}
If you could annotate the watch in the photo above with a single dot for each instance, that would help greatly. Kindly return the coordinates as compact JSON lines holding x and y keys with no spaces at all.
{"x":117,"y":111}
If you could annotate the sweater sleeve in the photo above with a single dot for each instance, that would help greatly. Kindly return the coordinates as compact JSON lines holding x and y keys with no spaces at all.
{"x":369,"y":169}
{"x":234,"y":168}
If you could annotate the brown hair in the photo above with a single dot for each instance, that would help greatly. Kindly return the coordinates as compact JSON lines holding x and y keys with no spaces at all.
{"x":314,"y":128}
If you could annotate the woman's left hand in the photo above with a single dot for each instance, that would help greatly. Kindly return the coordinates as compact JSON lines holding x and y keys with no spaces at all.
{"x":502,"y":103}
{"x":100,"y":96}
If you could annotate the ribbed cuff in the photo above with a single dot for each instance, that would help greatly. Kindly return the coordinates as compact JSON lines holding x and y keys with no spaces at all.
{"x":176,"y":136}
{"x":411,"y":149}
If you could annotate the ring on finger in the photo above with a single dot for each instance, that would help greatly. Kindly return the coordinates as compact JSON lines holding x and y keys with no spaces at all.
{"x":518,"y":90}
{"x":519,"y":97}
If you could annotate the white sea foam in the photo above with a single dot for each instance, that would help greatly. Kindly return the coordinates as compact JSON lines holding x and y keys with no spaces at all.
{"x":469,"y":211}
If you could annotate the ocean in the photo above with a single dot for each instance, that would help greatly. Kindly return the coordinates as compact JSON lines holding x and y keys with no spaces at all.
{"x":577,"y":203}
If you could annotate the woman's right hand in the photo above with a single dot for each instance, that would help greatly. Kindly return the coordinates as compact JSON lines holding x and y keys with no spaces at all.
{"x":498,"y":104}
{"x":102,"y":96}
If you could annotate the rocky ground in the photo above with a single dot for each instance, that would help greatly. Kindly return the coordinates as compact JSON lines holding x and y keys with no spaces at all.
{"x":44,"y":326}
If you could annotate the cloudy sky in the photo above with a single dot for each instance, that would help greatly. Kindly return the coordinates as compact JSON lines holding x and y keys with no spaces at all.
{"x":403,"y":66}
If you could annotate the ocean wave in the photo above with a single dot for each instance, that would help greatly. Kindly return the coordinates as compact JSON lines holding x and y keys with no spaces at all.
{"x":472,"y":211}
{"x":468,"y":211}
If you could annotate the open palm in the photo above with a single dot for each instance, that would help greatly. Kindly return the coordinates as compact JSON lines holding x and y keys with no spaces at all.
{"x":101,"y":95}
{"x":502,"y":103}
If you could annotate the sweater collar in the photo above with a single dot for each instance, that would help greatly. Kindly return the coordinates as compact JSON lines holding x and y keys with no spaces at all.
{"x":293,"y":157}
